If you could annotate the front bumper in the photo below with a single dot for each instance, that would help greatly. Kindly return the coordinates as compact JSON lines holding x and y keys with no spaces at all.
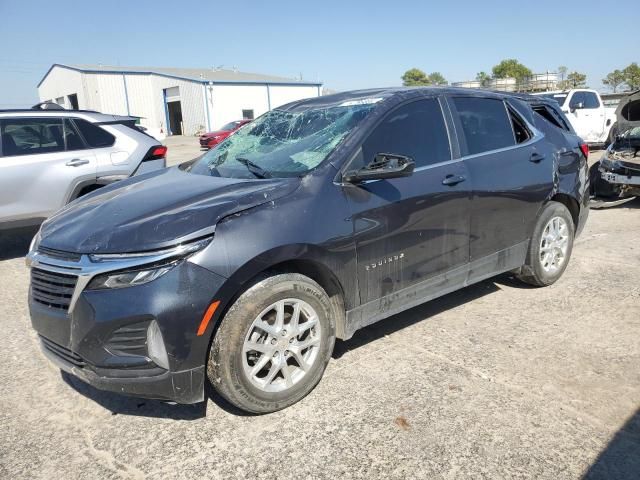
{"x":184,"y":387}
{"x":618,"y":179}
{"x":94,"y":339}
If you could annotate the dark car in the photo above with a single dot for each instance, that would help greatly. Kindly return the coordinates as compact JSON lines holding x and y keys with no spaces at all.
{"x":320,"y":218}
{"x":618,"y":172}
{"x":211,"y":139}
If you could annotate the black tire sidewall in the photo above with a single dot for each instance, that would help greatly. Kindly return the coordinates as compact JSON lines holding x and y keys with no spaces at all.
{"x":552,"y":209}
{"x":227,"y":346}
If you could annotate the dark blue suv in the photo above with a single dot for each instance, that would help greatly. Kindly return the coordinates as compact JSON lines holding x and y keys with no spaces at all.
{"x":321,"y":217}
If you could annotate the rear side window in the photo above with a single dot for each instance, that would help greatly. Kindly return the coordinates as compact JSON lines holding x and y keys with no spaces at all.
{"x":72,"y":139}
{"x":485,"y":123}
{"x":416,"y":130}
{"x":31,"y":136}
{"x":95,"y":136}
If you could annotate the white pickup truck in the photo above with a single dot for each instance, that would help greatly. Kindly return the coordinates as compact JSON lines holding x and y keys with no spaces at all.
{"x":589,"y":117}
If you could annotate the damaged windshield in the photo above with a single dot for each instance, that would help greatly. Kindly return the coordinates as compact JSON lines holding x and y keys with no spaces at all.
{"x":282,"y":144}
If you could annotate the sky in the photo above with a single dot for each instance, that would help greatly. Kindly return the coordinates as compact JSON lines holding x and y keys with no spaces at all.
{"x":345,"y":44}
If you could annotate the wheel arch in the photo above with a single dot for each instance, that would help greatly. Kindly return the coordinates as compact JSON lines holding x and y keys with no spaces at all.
{"x":281,"y":260}
{"x":572,"y":205}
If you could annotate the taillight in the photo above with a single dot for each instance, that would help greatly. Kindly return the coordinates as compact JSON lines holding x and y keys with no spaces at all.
{"x":155,"y":153}
{"x":585,"y":150}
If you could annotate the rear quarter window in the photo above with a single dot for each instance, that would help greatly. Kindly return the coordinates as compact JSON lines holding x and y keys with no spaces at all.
{"x":95,"y":136}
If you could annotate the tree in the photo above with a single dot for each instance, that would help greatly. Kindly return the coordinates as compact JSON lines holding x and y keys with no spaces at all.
{"x":632,"y":76}
{"x":511,"y":68}
{"x":576,"y":80}
{"x":614,"y":79}
{"x":562,"y":70}
{"x":436,"y":78}
{"x":415,"y":77}
{"x":484,"y":78}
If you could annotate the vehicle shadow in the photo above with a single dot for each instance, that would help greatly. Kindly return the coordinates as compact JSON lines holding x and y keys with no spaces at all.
{"x":421,"y":312}
{"x":122,"y":405}
{"x":621,"y":458}
{"x":15,"y":243}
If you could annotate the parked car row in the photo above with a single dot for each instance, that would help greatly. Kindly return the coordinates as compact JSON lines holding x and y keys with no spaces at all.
{"x":242,"y":267}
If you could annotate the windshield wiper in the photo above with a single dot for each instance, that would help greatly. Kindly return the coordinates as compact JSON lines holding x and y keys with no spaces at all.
{"x":257,"y":170}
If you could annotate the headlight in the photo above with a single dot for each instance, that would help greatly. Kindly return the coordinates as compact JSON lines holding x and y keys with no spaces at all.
{"x":35,"y":243}
{"x":158,"y":263}
{"x":129,"y":278}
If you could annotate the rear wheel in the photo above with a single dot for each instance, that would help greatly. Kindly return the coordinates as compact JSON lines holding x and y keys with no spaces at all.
{"x":550,"y":246}
{"x":273,"y":344}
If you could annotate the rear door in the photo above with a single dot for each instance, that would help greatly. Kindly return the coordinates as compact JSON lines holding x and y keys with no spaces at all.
{"x":410,"y":229}
{"x":43,"y":159}
{"x":511,"y":172}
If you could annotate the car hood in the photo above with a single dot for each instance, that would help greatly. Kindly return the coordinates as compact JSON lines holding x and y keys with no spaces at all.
{"x":155,"y":211}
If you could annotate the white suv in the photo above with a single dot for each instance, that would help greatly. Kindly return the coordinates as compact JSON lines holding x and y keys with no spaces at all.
{"x":51,"y":157}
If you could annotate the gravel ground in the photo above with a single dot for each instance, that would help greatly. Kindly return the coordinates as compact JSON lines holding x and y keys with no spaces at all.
{"x":494,"y":381}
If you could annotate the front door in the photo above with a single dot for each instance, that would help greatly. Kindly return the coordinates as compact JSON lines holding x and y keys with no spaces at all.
{"x":410,"y":229}
{"x":586,"y":115}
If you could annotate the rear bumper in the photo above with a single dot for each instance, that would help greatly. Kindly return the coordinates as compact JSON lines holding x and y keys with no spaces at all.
{"x":186,"y":386}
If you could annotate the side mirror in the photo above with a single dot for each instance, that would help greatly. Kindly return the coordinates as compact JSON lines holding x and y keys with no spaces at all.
{"x":383,"y":166}
{"x":577,"y":106}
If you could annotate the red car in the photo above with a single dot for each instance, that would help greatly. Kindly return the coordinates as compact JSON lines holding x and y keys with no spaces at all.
{"x":211,"y":139}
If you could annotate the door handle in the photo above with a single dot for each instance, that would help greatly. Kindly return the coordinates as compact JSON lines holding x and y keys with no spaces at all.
{"x":536,"y":157}
{"x":76,"y":162}
{"x":452,"y":180}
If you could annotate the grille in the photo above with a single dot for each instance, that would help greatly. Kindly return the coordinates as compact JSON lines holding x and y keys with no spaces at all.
{"x":64,"y":353}
{"x":129,"y":340}
{"x":52,"y":289}
{"x":60,"y":255}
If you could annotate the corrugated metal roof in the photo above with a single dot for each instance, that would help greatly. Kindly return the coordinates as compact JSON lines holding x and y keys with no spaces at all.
{"x":195,"y":74}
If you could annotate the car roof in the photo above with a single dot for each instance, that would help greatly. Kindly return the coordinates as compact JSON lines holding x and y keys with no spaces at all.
{"x":375,"y":95}
{"x":89,"y":115}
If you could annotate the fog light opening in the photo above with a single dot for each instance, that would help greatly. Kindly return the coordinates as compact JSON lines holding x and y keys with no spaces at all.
{"x":155,"y":346}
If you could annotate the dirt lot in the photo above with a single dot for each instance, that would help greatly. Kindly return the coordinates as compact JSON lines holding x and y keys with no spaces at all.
{"x":495,"y":381}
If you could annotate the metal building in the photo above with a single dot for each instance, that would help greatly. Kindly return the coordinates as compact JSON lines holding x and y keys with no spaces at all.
{"x":171,"y":100}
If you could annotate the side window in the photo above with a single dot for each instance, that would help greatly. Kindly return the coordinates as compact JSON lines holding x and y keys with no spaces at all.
{"x":591,"y":100}
{"x":576,"y":98}
{"x":71,"y":138}
{"x":31,"y":136}
{"x":247,"y":114}
{"x":95,"y":136}
{"x":416,"y":130}
{"x":520,"y":130}
{"x":485,"y":123}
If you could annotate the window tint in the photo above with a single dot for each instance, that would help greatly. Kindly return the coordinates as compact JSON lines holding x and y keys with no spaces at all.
{"x":71,"y":137}
{"x":416,"y":130}
{"x":95,"y":136}
{"x":30,"y":136}
{"x":485,"y":123}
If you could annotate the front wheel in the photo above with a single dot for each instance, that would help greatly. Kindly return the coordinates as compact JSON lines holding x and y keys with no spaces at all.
{"x":273,"y":344}
{"x":550,"y":246}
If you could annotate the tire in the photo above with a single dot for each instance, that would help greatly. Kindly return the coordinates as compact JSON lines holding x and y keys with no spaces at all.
{"x":231,"y":357}
{"x":538,"y":269}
